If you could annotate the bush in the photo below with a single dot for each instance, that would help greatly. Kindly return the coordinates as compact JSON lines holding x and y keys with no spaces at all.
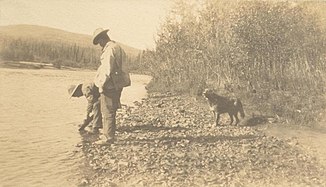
{"x":269,"y":47}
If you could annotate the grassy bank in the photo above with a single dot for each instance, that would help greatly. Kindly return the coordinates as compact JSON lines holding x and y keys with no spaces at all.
{"x":289,"y":108}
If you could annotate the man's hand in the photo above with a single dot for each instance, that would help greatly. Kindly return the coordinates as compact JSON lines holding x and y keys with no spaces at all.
{"x":88,"y":116}
{"x":100,"y":90}
{"x":86,"y":121}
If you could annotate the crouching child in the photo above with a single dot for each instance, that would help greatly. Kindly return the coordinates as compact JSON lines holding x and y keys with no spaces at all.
{"x":93,"y":112}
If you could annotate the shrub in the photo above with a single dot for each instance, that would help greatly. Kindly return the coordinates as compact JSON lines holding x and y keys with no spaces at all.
{"x":269,"y":47}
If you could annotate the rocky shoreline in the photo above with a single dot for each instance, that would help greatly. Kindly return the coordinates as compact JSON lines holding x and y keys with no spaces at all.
{"x":170,"y":140}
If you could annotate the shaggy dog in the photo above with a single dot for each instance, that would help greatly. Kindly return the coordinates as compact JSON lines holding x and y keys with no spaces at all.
{"x":219,"y":105}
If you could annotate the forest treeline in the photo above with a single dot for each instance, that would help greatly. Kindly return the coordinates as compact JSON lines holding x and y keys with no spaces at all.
{"x":271,"y":53}
{"x":57,"y":53}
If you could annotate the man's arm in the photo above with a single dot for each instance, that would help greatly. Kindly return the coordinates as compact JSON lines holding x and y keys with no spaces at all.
{"x":88,"y":92}
{"x":104,"y":70}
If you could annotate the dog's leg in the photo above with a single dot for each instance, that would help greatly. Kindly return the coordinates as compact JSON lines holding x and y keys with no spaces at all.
{"x":217,"y":118}
{"x":231,"y":118}
{"x":236,"y":118}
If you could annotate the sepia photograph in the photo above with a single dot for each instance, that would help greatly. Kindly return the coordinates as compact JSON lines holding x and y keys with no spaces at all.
{"x":162,"y":93}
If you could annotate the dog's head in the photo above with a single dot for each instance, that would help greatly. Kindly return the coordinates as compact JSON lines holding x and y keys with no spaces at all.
{"x":207,"y":93}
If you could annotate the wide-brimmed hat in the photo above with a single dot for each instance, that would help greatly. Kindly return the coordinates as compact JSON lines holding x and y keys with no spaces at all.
{"x":98,"y":33}
{"x":73,"y":88}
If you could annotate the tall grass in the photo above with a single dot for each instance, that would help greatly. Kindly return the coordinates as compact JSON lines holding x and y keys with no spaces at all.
{"x":273,"y":49}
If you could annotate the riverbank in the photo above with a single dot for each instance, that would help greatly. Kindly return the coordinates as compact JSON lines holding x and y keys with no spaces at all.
{"x":25,"y":65}
{"x":34,"y":65}
{"x":169,"y":140}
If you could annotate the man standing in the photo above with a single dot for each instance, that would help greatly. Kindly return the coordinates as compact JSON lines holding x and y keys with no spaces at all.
{"x":90,"y":91}
{"x":111,"y":77}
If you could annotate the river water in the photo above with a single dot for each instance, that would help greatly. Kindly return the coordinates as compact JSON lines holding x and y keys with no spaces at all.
{"x":38,"y":125}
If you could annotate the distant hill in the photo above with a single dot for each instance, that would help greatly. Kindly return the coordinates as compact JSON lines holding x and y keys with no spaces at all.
{"x":47,"y":34}
{"x":47,"y":45}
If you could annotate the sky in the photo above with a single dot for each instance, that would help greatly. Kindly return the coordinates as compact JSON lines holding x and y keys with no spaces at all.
{"x":132,"y":22}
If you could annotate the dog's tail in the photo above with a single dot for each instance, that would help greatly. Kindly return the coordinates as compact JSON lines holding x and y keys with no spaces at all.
{"x":240,"y":108}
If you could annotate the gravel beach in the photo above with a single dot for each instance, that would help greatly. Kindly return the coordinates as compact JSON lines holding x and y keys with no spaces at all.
{"x":170,"y":140}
